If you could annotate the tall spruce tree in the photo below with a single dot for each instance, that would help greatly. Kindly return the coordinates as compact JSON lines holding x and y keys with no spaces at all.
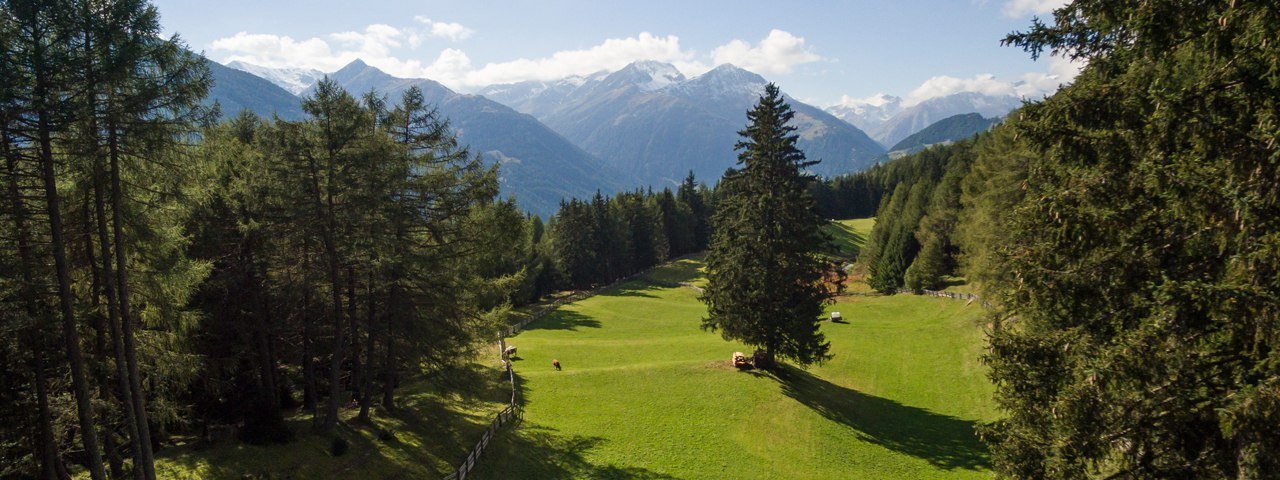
{"x":765,"y":277}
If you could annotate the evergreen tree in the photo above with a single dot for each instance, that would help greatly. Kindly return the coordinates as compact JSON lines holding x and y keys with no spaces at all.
{"x":1144,"y":303}
{"x":765,"y":277}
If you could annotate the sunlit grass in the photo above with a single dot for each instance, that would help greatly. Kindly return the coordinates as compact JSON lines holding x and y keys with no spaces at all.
{"x":645,"y":393}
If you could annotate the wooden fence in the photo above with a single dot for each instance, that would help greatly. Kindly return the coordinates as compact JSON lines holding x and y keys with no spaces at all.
{"x":509,"y":415}
{"x":956,"y":295}
{"x":514,"y":411}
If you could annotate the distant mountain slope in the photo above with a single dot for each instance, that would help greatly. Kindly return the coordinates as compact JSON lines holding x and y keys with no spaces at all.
{"x":650,"y":121}
{"x":915,"y":118}
{"x":539,"y":166}
{"x":293,"y":80}
{"x":869,"y":113}
{"x":950,"y":129}
{"x":236,"y":90}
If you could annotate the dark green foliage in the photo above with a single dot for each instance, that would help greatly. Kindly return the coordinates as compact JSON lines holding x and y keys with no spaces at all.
{"x":608,"y":238}
{"x":767,"y":283}
{"x":1142,"y":284}
{"x":338,"y":446}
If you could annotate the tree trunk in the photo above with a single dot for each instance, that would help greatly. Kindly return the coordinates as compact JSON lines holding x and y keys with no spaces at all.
{"x":366,"y":395}
{"x":125,"y":393}
{"x":50,"y":459}
{"x":308,"y":365}
{"x":70,"y":337}
{"x":326,"y":209}
{"x":51,"y":467}
{"x":356,"y":372}
{"x":146,"y":459}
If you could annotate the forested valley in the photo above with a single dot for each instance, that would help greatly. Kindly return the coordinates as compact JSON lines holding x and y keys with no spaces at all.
{"x":170,"y":268}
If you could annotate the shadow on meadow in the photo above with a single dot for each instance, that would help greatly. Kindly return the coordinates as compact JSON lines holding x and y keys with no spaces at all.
{"x":434,"y":430}
{"x":944,"y":441}
{"x":845,"y":241}
{"x":534,"y":452}
{"x":679,"y":271}
{"x":562,"y":319}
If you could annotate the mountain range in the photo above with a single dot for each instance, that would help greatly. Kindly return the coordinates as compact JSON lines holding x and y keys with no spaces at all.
{"x":538,"y":166}
{"x":650,"y":121}
{"x":888,"y":121}
{"x":645,"y":124}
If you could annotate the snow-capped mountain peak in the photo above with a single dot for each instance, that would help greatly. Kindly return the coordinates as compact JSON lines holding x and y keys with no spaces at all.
{"x":867,"y":113}
{"x":295,"y":80}
{"x":726,"y":80}
{"x":648,"y":75}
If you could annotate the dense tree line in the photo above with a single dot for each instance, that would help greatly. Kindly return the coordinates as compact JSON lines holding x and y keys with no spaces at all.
{"x":913,"y":243}
{"x":164,"y":273}
{"x":1123,"y":231}
{"x":597,"y":241}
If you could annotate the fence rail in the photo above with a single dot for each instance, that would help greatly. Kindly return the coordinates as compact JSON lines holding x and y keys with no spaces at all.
{"x":514,"y":411}
{"x":956,"y":295}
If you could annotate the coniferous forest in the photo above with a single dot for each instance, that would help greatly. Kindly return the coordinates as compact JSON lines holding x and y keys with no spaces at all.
{"x":168,"y":266}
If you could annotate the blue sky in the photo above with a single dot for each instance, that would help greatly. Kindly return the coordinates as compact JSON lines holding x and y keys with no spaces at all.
{"x":818,"y":51}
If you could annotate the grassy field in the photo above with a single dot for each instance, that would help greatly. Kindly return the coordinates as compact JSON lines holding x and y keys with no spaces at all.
{"x":645,"y":393}
{"x":850,"y":235}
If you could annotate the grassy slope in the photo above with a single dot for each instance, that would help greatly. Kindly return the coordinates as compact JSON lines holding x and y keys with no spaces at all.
{"x":850,"y":235}
{"x":646,"y":394}
{"x":434,"y":430}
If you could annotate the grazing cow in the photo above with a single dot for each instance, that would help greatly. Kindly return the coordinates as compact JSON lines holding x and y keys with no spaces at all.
{"x":556,"y":363}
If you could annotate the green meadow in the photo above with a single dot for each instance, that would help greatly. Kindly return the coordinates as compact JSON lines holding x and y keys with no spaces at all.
{"x":646,"y":393}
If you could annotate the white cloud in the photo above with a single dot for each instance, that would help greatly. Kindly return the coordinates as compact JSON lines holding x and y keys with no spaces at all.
{"x":273,"y":50}
{"x":452,"y":31}
{"x":612,"y":54}
{"x":1021,"y":8}
{"x":877,"y":100}
{"x":385,"y":47}
{"x":1030,"y":85}
{"x":777,"y":53}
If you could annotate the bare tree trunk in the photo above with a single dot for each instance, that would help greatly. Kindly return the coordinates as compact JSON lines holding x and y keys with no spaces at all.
{"x":327,"y":211}
{"x":356,"y":372}
{"x":308,"y":354}
{"x":388,"y":362}
{"x":113,"y":305}
{"x":51,"y":467}
{"x":146,"y":458}
{"x":366,"y":386}
{"x":70,"y":337}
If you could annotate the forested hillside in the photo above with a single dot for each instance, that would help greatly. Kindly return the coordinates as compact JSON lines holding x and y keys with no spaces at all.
{"x":1123,"y":231}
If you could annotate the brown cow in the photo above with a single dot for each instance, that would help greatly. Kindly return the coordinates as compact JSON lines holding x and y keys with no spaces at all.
{"x":555,"y":363}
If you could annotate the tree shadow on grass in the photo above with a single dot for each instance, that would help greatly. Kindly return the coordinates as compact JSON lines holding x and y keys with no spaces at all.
{"x":679,"y":271}
{"x":640,"y":287}
{"x":944,"y":441}
{"x":562,"y":319}
{"x":433,"y":423}
{"x":534,"y":452}
{"x":845,"y":241}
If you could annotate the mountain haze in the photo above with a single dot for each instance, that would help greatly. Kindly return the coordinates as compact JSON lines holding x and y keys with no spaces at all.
{"x":916,"y":117}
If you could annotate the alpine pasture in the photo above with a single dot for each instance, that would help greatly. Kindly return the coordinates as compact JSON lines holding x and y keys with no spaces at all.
{"x":645,"y":393}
